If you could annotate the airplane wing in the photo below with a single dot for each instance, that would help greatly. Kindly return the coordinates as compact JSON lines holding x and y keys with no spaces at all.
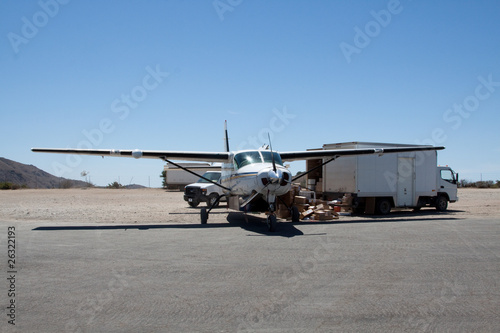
{"x":317,"y":154}
{"x":175,"y":155}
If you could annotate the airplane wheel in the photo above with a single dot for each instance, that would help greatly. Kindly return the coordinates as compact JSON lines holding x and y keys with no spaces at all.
{"x":272,"y":222}
{"x":295,"y":214}
{"x":204,"y":216}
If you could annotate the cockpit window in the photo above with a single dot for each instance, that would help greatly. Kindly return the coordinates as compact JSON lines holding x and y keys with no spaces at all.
{"x":268,"y":157}
{"x":246,"y":158}
{"x":250,"y":157}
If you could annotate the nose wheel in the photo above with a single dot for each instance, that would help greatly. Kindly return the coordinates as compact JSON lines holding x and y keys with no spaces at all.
{"x":272,"y":222}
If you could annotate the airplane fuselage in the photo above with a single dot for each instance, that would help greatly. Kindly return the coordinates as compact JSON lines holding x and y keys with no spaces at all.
{"x":253,"y":171}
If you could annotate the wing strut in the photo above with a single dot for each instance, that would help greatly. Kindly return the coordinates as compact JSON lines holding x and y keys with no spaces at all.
{"x":194,"y":173}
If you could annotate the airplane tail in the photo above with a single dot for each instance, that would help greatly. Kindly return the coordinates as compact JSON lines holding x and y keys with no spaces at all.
{"x":226,"y":138}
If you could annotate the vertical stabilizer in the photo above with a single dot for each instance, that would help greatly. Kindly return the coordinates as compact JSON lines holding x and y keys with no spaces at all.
{"x":226,"y":138}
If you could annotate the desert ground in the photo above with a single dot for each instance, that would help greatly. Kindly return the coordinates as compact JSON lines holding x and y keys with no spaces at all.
{"x":97,"y":205}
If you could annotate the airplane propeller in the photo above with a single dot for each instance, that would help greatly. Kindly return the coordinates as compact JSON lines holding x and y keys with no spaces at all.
{"x":272,"y":154}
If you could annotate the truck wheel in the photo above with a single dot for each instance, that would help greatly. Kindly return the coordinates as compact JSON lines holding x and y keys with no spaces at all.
{"x":383,"y":206}
{"x":212,"y":198}
{"x":194,"y":203}
{"x":358,"y":207}
{"x":441,"y":203}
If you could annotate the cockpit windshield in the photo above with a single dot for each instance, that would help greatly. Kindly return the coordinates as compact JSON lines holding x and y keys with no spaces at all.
{"x":250,"y":157}
{"x":269,"y":159}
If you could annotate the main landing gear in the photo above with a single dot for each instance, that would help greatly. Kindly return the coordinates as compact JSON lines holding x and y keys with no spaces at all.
{"x":204,"y":212}
{"x":272,"y":221}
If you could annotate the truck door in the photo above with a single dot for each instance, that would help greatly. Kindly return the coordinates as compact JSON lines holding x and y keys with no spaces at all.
{"x":406,"y":172}
{"x":447,"y":183}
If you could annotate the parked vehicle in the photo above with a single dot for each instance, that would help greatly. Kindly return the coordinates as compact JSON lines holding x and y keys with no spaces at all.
{"x":204,"y":190}
{"x":378,"y":183}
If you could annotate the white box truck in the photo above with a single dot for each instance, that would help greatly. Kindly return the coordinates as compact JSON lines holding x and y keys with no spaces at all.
{"x":378,"y":183}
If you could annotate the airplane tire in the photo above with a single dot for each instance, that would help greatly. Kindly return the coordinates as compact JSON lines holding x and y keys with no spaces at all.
{"x":204,"y":216}
{"x":272,"y":222}
{"x":295,"y":214}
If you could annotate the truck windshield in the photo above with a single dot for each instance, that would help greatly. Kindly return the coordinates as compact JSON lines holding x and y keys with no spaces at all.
{"x":213,"y":176}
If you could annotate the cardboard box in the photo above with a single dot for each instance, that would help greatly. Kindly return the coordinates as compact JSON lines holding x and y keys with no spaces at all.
{"x":300,"y":200}
{"x":283,"y":212}
{"x":320,"y":207}
{"x":302,"y":207}
{"x":287,"y":198}
{"x":307,"y":213}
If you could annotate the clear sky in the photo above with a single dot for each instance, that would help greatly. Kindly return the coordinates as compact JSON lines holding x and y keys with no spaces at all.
{"x":166,"y":74}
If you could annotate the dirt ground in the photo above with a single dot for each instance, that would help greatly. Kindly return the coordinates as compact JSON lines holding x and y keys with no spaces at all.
{"x":160,"y":206}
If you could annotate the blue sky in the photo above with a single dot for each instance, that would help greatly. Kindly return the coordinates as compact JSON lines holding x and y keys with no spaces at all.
{"x":166,"y":74}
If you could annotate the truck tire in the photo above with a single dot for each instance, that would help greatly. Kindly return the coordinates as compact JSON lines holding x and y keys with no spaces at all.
{"x":383,"y":206}
{"x":194,"y":203}
{"x":212,"y":198}
{"x":441,"y":203}
{"x":358,"y":207}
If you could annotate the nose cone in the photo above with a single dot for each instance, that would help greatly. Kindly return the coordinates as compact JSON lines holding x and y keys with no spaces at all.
{"x":274,"y":181}
{"x":274,"y":176}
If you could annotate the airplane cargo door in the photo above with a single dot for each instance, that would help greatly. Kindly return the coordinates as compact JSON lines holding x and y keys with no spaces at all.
{"x":406,"y":172}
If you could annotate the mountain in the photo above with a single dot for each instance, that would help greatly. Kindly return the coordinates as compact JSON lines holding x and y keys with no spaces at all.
{"x":32,"y":177}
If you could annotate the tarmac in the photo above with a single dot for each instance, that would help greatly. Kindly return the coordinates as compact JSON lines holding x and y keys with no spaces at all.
{"x":436,"y":273}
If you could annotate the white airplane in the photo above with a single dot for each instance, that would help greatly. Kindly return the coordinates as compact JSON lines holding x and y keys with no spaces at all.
{"x":252,"y":180}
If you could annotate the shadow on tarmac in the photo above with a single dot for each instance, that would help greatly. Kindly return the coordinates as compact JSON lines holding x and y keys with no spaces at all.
{"x":258,"y":226}
{"x":250,"y":223}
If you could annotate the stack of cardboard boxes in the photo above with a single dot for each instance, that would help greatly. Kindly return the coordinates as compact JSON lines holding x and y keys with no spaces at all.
{"x":312,"y":209}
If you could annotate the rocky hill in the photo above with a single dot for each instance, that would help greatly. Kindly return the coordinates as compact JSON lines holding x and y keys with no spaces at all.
{"x":24,"y":175}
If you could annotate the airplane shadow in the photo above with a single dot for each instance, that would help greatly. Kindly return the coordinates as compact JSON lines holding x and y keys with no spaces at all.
{"x":251,"y":223}
{"x":258,"y":227}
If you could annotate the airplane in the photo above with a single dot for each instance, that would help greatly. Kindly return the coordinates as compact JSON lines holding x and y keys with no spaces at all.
{"x":252,"y":180}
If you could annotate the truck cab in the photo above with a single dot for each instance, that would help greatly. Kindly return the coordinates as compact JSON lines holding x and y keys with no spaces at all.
{"x":204,"y":190}
{"x":447,"y":183}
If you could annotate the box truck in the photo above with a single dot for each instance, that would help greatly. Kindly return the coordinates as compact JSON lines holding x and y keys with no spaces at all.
{"x":378,"y":183}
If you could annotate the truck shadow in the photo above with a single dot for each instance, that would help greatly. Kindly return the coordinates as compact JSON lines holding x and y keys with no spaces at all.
{"x":424,"y":213}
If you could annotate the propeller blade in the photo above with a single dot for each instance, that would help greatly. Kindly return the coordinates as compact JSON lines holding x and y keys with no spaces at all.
{"x":272,"y":153}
